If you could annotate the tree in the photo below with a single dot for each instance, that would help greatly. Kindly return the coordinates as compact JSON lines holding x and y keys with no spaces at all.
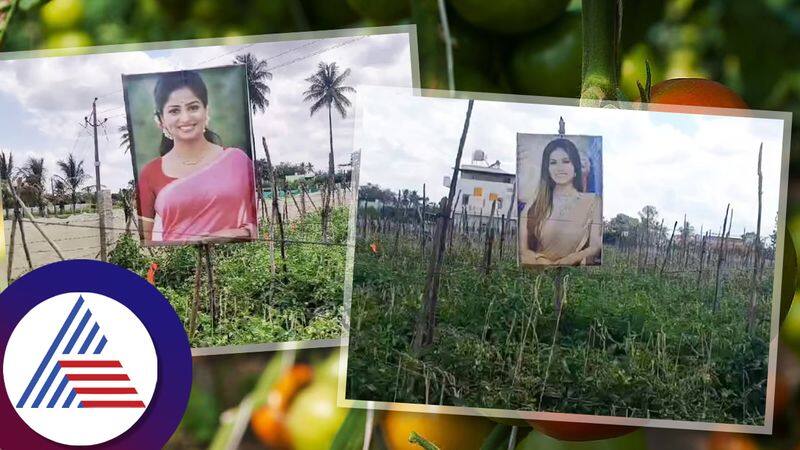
{"x":33,"y":182}
{"x":124,"y":138}
{"x":6,"y":176}
{"x":73,"y":175}
{"x":648,"y":215}
{"x":257,"y":77}
{"x":620,"y":226}
{"x":326,"y":89}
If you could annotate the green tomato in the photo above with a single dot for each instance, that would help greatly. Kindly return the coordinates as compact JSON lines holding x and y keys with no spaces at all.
{"x":538,"y":441}
{"x":549,"y":62}
{"x":313,"y":418}
{"x":327,"y":371}
{"x":510,"y":16}
{"x":384,"y":11}
{"x":68,"y":39}
{"x":62,"y":14}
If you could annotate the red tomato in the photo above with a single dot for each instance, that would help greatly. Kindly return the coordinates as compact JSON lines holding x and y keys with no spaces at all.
{"x":730,"y":441}
{"x":695,"y":92}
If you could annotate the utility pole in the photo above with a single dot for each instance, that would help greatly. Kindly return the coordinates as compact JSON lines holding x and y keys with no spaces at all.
{"x":98,"y":194}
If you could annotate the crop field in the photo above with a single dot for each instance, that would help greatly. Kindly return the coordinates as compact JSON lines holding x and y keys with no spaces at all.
{"x":253,"y":303}
{"x":639,"y":336}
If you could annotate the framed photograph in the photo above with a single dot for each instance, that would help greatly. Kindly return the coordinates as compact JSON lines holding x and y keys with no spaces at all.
{"x":191,"y":148}
{"x":560,"y":188}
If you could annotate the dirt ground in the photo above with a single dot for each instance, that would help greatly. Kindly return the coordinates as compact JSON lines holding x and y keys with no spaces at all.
{"x":77,"y":237}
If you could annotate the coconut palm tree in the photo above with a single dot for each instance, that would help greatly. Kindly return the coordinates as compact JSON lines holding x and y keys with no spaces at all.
{"x":73,"y":175}
{"x":326,"y":89}
{"x":33,"y":181}
{"x":257,"y":77}
{"x":124,"y":138}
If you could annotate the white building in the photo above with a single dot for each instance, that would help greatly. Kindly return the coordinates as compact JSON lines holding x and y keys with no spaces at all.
{"x":479,"y":187}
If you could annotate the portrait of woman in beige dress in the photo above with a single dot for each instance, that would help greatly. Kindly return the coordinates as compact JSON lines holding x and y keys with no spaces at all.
{"x":563,"y":224}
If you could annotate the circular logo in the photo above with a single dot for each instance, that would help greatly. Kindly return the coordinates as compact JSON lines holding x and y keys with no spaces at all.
{"x":96,"y":374}
{"x":92,"y":355}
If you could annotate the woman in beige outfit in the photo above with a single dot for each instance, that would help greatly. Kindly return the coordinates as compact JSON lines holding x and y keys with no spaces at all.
{"x":564,"y":223}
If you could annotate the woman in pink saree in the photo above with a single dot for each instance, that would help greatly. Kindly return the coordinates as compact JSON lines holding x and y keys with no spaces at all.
{"x":198,"y":190}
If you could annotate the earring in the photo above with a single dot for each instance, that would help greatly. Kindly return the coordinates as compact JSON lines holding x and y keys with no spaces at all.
{"x":167,"y":134}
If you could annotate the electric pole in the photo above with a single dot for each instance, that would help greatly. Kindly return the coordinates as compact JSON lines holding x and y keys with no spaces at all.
{"x":98,"y":194}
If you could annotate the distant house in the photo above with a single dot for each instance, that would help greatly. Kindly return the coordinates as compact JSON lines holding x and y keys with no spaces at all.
{"x":299,"y":176}
{"x":479,"y":187}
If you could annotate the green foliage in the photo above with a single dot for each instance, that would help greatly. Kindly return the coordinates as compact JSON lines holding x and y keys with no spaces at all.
{"x":629,"y":343}
{"x":254,"y":305}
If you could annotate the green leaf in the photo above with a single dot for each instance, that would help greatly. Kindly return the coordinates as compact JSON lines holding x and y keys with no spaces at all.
{"x":351,"y":434}
{"x":28,"y":4}
{"x":499,"y":435}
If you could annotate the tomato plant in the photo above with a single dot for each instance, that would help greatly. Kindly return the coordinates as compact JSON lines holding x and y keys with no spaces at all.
{"x":448,"y":432}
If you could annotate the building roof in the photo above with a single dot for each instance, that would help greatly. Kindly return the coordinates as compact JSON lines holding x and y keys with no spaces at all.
{"x":484,"y":169}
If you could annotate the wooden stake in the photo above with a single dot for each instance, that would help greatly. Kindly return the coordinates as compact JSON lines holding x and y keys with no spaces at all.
{"x":754,"y":280}
{"x":669,"y":246}
{"x":720,"y":257}
{"x":426,"y":321}
{"x":276,"y":213}
{"x":198,"y":272}
{"x":11,"y":247}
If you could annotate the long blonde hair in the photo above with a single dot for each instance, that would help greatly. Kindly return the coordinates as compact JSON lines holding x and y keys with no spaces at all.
{"x":543,"y":204}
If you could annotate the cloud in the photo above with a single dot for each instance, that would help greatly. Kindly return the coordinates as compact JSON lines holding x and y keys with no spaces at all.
{"x":682,"y":164}
{"x":48,"y":98}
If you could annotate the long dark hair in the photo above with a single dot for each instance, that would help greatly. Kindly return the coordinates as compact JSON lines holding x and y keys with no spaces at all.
{"x":170,"y":82}
{"x":543,"y":204}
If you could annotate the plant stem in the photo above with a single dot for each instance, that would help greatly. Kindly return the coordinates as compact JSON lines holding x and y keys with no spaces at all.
{"x":7,"y":8}
{"x":421,"y":441}
{"x":602,"y":24}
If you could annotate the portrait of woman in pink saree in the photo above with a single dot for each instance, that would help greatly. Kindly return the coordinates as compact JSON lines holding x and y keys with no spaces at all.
{"x":197,"y":190}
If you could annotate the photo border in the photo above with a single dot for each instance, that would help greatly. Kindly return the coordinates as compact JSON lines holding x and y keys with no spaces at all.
{"x":778,"y":274}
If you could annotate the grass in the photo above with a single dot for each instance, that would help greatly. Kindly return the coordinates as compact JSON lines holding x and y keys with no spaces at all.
{"x":628,"y":343}
{"x":254,"y":305}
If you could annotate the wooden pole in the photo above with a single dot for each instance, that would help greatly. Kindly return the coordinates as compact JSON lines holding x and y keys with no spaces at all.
{"x":720,"y":258}
{"x":11,"y":247}
{"x":751,"y":313}
{"x":98,"y":186}
{"x":276,"y":213}
{"x":27,"y":212}
{"x":426,"y":322}
{"x":489,"y":241}
{"x":212,"y":296}
{"x":669,"y":247}
{"x":198,"y":271}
